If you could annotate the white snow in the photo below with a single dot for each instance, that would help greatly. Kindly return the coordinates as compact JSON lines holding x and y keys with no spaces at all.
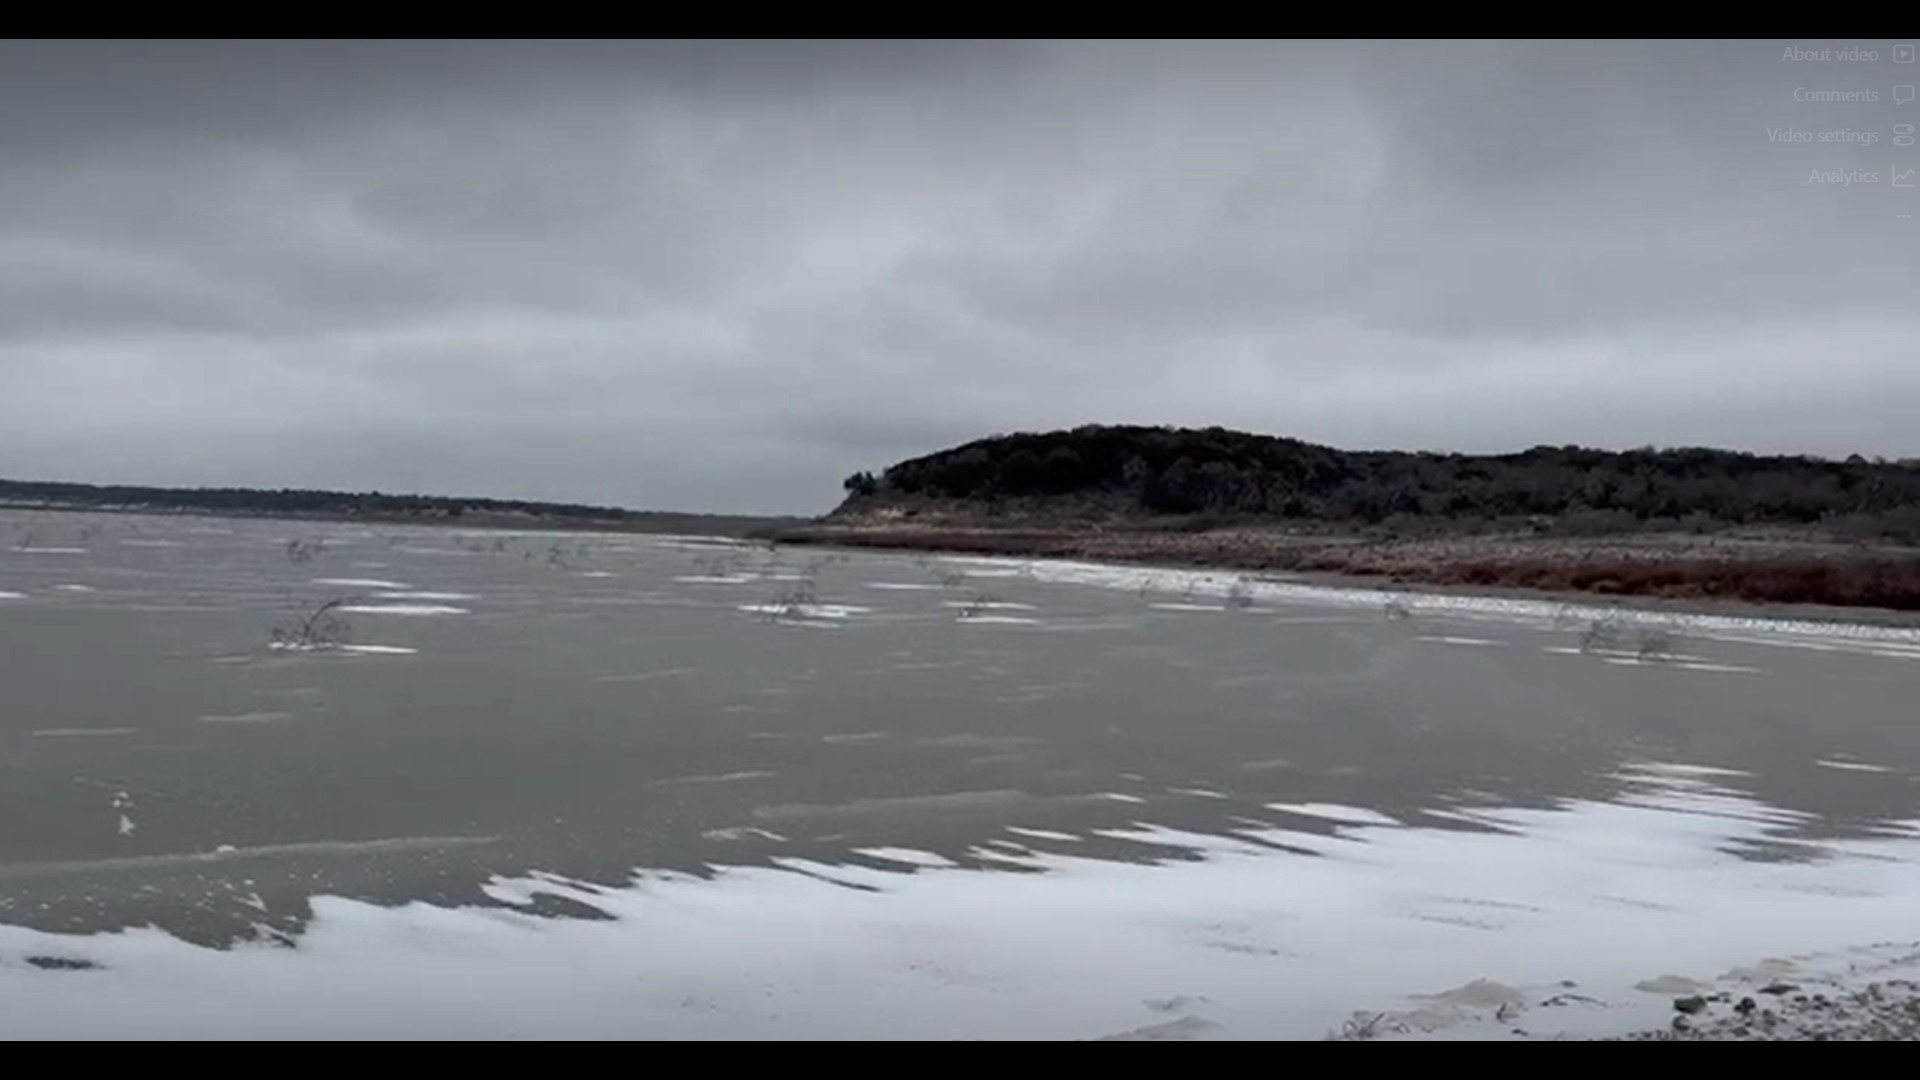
{"x":1246,"y":943}
{"x":906,"y":857}
{"x":247,"y":718}
{"x":1851,"y":766}
{"x":1043,"y":834}
{"x":990,"y":605}
{"x":1346,"y":815}
{"x":716,"y":778}
{"x":1770,"y":631}
{"x":807,"y":611}
{"x":646,"y":676}
{"x":403,"y":609}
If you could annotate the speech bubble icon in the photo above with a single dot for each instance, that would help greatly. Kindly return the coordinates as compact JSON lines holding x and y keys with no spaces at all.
{"x":1902,"y":95}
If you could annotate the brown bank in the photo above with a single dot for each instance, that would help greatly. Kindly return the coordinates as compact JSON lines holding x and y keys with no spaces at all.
{"x":1770,"y":567}
{"x":1682,"y":525}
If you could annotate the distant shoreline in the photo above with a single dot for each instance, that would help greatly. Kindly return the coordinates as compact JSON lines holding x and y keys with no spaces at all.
{"x":1775,"y":572}
{"x":664,"y":522}
{"x":1779,"y":572}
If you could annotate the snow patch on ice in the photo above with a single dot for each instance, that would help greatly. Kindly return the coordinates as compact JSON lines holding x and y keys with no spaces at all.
{"x":1435,"y":924}
{"x":246,"y":718}
{"x":906,"y":857}
{"x":717,"y":778}
{"x":808,"y":611}
{"x":1044,"y":834}
{"x":1345,"y":815}
{"x":1851,"y":766}
{"x":1761,"y":630}
{"x":989,"y":605}
{"x":645,"y":676}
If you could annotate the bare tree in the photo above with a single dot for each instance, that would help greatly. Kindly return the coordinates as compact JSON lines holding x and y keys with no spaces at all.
{"x":301,"y":552}
{"x":1601,"y":635}
{"x":977,"y":605}
{"x":321,"y":629}
{"x":1654,"y":644}
{"x":791,"y":603}
{"x":1565,"y":617}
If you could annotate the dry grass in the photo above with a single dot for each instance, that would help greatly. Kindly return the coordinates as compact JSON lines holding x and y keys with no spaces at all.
{"x":1862,"y":582}
{"x":1773,"y":568}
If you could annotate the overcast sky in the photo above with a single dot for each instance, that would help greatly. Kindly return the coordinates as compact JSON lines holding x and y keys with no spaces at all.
{"x":723,"y":276}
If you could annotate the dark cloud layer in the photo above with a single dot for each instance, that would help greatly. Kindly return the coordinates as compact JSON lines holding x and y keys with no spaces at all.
{"x":722,"y":275}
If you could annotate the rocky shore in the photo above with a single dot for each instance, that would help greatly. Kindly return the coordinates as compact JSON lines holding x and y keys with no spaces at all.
{"x":1786,"y":1012}
{"x":1864,"y":995}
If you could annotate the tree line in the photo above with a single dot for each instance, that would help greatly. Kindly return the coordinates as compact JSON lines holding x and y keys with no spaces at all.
{"x":1230,"y":474}
{"x":286,"y":501}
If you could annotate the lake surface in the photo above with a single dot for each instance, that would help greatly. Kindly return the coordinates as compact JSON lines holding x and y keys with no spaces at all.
{"x":633,"y":786}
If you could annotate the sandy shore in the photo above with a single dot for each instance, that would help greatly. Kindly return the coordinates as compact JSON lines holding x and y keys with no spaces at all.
{"x":1786,"y":572}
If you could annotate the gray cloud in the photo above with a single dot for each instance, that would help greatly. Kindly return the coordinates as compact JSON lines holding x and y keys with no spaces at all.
{"x":722,"y":275}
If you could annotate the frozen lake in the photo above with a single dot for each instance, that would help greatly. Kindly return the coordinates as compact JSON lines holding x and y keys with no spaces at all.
{"x":543,"y":785}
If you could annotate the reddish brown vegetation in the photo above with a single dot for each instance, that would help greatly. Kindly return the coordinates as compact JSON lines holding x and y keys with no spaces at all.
{"x":1809,"y":572}
{"x":1867,"y":582}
